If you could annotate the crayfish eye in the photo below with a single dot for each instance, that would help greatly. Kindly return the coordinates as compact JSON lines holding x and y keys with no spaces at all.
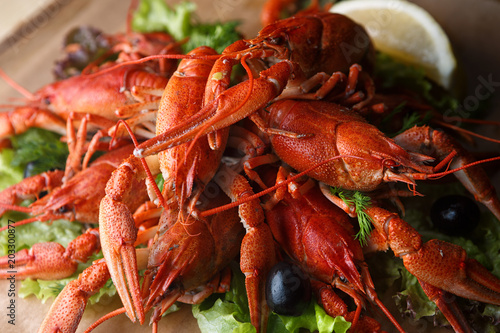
{"x":393,"y":165}
{"x":275,"y":40}
{"x":63,"y":209}
{"x":135,"y":41}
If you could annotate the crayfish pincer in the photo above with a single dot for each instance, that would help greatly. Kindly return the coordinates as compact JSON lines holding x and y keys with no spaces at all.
{"x":186,"y":169}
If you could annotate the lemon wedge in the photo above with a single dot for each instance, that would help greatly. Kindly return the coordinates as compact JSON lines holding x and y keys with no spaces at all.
{"x":406,"y":32}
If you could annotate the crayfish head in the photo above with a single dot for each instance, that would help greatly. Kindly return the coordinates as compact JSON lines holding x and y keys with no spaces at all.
{"x":318,"y":42}
{"x":402,"y":170}
{"x":391,"y":176}
{"x":44,"y":98}
{"x":371,"y":158}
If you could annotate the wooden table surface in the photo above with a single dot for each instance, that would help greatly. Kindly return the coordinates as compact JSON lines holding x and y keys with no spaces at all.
{"x":469,"y":23}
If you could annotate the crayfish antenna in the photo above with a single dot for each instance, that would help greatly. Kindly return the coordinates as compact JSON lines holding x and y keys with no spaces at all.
{"x":104,"y":318}
{"x":19,"y":223}
{"x":463,"y":165}
{"x":130,"y":14}
{"x":151,"y":179}
{"x":489,"y":200}
{"x":272,"y":188}
{"x":41,"y":218}
{"x":16,"y":208}
{"x":471,"y":133}
{"x":149,"y":58}
{"x":373,"y":297}
{"x":8,"y":106}
{"x":388,"y":314}
{"x":16,"y":86}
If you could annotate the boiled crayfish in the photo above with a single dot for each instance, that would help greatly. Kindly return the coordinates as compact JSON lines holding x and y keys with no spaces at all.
{"x":100,"y":99}
{"x":326,"y":141}
{"x":354,"y":154}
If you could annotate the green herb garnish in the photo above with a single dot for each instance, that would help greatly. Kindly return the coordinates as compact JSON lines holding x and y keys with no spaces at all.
{"x":360,"y":202}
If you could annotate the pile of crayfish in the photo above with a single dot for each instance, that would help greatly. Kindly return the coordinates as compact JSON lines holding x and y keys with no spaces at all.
{"x":248,"y":169}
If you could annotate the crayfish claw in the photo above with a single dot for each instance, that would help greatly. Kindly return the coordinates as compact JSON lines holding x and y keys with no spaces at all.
{"x":454,"y":272}
{"x":67,"y":310}
{"x":43,"y":261}
{"x":439,"y":266}
{"x":448,"y":307}
{"x":124,"y":267}
{"x":118,"y":249}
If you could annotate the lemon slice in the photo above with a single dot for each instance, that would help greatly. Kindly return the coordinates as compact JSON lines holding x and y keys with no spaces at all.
{"x":406,"y":32}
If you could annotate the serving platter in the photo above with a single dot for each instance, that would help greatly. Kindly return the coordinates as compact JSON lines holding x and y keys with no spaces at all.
{"x":470,"y":24}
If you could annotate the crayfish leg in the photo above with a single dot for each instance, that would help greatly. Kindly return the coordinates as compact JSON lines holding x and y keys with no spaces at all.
{"x":30,"y":188}
{"x":258,"y":252}
{"x":51,"y":261}
{"x":427,"y":140}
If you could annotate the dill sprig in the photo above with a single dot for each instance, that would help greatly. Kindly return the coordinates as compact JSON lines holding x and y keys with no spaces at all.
{"x":360,"y":202}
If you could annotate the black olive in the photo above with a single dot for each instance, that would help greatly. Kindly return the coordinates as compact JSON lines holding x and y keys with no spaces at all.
{"x":288,"y":289}
{"x":455,"y":215}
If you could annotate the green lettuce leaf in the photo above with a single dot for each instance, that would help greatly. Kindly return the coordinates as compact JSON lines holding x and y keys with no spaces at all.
{"x":9,"y":174}
{"x":218,"y":36}
{"x":315,"y":319}
{"x":61,"y":231}
{"x":48,"y":289}
{"x":156,"y":15}
{"x":229,"y":313}
{"x":41,"y":148}
{"x":178,"y":21}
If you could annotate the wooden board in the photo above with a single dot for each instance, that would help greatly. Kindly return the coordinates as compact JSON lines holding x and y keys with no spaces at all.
{"x":16,"y":15}
{"x":469,"y":24}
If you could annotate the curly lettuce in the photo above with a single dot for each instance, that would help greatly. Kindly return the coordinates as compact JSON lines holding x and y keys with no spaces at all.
{"x":48,"y":289}
{"x":229,"y":313}
{"x":41,"y":149}
{"x":9,"y":174}
{"x":178,"y":21}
